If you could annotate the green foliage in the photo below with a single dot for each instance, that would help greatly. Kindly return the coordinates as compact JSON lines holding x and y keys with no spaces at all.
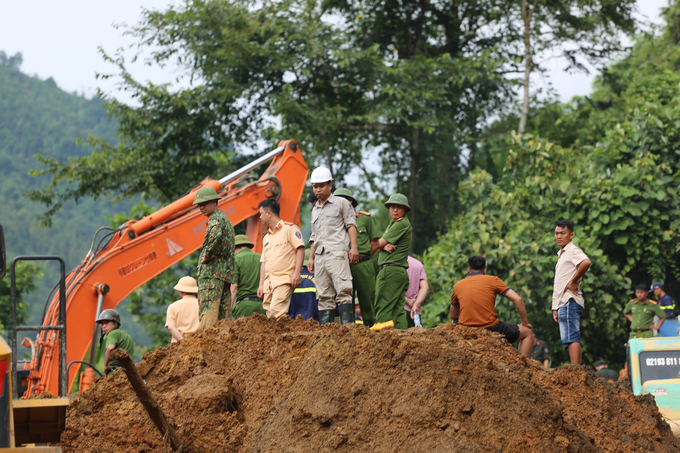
{"x":27,"y":274}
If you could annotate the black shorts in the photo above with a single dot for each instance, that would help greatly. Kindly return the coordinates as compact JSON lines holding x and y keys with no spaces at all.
{"x":509,"y":331}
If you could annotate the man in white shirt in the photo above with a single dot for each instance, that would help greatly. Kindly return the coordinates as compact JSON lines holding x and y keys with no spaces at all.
{"x":567,"y":301}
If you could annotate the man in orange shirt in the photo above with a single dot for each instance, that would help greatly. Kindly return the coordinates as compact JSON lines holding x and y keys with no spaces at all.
{"x":473,"y":300}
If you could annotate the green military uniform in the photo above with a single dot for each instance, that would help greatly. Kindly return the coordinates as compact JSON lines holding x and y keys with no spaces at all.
{"x":540,"y":352}
{"x":609,"y":375}
{"x":247,"y":277}
{"x":120,"y":340}
{"x":392,"y":282}
{"x":215,"y":276}
{"x":363,"y":272}
{"x":643,"y":316}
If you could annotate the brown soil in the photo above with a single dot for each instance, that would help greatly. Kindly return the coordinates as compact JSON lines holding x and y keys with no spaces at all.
{"x":258,"y":385}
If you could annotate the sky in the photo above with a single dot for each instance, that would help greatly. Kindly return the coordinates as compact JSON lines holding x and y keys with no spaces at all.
{"x":61,"y":40}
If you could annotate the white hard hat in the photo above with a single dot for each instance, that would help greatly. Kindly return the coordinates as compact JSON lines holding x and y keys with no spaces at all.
{"x":321,"y":174}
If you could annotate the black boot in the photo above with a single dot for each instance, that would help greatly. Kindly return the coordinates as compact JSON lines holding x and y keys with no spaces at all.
{"x":326,"y":316}
{"x":346,"y":313}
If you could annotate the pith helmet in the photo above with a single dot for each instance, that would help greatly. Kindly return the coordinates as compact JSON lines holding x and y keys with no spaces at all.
{"x":109,"y":315}
{"x":345,"y":192}
{"x":307,"y":251}
{"x":242,"y":239}
{"x":321,"y":174}
{"x":187,"y":285}
{"x":398,"y":198}
{"x":205,"y":194}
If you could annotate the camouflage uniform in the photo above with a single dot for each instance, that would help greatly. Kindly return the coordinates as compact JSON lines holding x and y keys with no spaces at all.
{"x":215,"y":276}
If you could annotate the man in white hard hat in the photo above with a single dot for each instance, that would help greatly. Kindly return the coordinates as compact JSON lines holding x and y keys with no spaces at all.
{"x":182,"y":316}
{"x":333,"y":248}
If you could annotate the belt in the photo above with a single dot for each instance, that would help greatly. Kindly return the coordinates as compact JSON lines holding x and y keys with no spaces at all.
{"x":640,"y":331}
{"x":390,"y":264}
{"x":254,"y":299}
{"x":365,"y":258}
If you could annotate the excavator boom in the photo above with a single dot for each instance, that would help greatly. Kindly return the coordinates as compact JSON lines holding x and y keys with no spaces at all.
{"x":138,"y":251}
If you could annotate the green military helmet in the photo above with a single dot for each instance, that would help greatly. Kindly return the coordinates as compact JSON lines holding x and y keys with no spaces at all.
{"x":205,"y":194}
{"x":306,"y":260}
{"x":400,"y":199}
{"x":345,"y":192}
{"x":242,"y":239}
{"x":109,"y":315}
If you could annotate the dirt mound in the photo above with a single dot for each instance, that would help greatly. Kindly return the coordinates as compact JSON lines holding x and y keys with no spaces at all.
{"x":258,"y":385}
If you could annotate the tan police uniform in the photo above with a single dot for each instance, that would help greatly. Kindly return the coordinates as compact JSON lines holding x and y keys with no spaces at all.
{"x":278,"y":255}
{"x":330,"y":222}
{"x":183,"y":315}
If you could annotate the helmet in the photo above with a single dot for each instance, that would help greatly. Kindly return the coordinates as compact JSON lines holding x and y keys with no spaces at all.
{"x":321,"y":174}
{"x":187,"y":285}
{"x":205,"y":194}
{"x":242,"y":239}
{"x":398,"y":198}
{"x":307,"y":252}
{"x":345,"y":192}
{"x":109,"y":315}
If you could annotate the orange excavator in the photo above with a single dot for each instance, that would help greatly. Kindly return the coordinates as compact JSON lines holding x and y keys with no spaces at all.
{"x":122,"y":259}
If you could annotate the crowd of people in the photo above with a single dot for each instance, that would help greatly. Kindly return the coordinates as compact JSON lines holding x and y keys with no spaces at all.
{"x":337,"y":279}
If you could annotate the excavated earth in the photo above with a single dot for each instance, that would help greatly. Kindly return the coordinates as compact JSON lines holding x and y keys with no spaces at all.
{"x":259,"y":385}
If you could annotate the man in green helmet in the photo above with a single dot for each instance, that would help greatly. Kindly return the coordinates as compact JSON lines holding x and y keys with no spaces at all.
{"x":244,"y":300}
{"x":113,"y":337}
{"x":363,"y":272}
{"x":392,"y":282}
{"x":216,"y":263}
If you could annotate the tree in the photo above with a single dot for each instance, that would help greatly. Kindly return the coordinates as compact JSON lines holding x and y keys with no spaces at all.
{"x":26,"y":275}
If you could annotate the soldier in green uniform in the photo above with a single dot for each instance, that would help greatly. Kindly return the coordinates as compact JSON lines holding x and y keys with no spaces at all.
{"x":113,"y":338}
{"x":363,"y":272}
{"x":216,"y":263}
{"x":640,"y":312}
{"x":246,"y":280}
{"x":392,"y":282}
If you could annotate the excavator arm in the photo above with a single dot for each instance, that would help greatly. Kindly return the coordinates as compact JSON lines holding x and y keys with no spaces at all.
{"x":131,"y":255}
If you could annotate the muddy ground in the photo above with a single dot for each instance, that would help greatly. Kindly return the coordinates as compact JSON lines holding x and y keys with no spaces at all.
{"x":259,"y":385}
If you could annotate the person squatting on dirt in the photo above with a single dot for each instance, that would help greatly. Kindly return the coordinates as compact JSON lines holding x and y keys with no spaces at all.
{"x":567,"y":301}
{"x":363,"y":271}
{"x":640,"y":312}
{"x":216,"y":262}
{"x":394,"y":247}
{"x":282,"y":256}
{"x":244,"y":285}
{"x":304,"y":300}
{"x":182,"y":316}
{"x":473,"y":304}
{"x":333,"y":248}
{"x":113,"y":337}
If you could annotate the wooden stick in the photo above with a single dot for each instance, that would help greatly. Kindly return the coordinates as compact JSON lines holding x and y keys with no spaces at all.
{"x":146,"y":398}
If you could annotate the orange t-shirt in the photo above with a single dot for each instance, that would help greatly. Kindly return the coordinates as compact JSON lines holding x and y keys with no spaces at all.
{"x":476,"y":296}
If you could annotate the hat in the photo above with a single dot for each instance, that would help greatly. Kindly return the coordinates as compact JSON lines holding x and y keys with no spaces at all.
{"x":641,"y":287}
{"x":242,"y":239}
{"x":320,"y":175}
{"x":345,"y":192}
{"x":187,"y":285}
{"x":600,"y":363}
{"x":400,"y":199}
{"x":307,"y":251}
{"x":657,"y":285}
{"x":205,"y":194}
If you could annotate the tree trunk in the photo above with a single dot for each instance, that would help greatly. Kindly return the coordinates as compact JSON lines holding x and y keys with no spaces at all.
{"x":413,"y":181}
{"x":528,"y":63}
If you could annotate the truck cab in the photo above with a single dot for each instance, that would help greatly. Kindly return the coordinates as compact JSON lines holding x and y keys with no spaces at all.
{"x":654,"y":365}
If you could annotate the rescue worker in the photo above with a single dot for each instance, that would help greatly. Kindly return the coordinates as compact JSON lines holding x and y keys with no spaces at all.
{"x":304,"y":301}
{"x":244,"y":300}
{"x":113,"y":337}
{"x":182,"y":316}
{"x":363,"y":272}
{"x":671,"y":326}
{"x":333,"y":248}
{"x":216,"y":262}
{"x":640,"y":312}
{"x":282,"y":257}
{"x":602,"y":370}
{"x":540,"y":352}
{"x":392,"y":282}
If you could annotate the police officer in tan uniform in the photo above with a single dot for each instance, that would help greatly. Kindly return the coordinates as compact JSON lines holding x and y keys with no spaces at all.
{"x":282,"y":256}
{"x":333,"y":248}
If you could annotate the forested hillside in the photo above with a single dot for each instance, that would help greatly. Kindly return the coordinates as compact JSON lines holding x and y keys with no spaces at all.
{"x":37,"y":117}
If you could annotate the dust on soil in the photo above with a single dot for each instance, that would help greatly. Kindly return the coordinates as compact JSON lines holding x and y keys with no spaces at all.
{"x":259,"y":385}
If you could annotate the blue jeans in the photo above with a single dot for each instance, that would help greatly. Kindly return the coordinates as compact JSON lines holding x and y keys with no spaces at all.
{"x":568,"y":317}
